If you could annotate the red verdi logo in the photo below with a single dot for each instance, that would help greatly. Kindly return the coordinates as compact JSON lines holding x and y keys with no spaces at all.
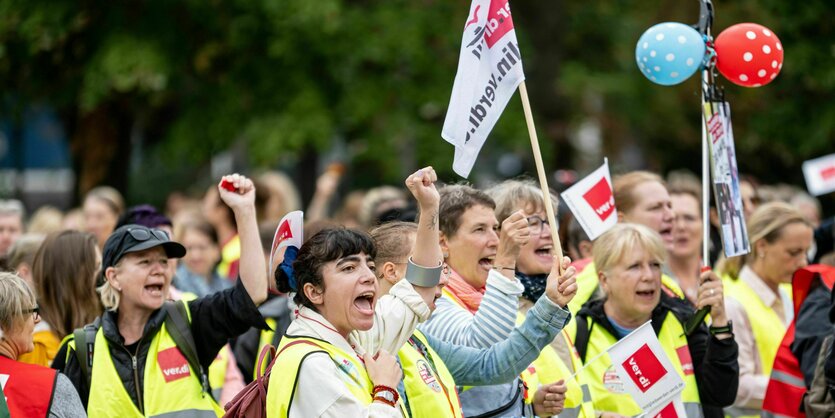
{"x":669,"y":411}
{"x":828,"y":173}
{"x":499,"y":21}
{"x":685,"y":360}
{"x":600,"y":198}
{"x":644,"y":368}
{"x":173,"y":365}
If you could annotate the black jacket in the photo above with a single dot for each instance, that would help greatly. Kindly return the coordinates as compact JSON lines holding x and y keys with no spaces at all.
{"x":215,"y":319}
{"x":714,"y":361}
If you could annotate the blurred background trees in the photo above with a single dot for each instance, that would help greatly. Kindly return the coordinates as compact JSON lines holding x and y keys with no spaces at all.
{"x":154,"y":95}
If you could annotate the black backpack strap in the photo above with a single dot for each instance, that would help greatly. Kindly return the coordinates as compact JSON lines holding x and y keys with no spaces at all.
{"x":85,"y":340}
{"x":581,"y":341}
{"x":179,"y":327}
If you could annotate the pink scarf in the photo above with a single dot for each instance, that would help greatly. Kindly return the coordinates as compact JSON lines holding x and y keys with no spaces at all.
{"x":464,"y":293}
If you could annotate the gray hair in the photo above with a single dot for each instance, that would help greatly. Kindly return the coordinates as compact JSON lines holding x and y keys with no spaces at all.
{"x":10,"y":207}
{"x":15,"y":298}
{"x":512,"y":195}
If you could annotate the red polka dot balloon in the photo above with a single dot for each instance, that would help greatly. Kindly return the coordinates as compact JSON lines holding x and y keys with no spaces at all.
{"x":749,"y":54}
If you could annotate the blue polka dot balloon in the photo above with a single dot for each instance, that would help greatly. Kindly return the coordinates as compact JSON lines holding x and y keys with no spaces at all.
{"x":669,"y":53}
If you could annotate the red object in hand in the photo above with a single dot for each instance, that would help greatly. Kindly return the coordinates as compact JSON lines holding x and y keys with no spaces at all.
{"x":226,"y":184}
{"x":748,"y":54}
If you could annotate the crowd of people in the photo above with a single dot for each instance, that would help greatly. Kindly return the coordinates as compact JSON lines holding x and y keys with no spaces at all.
{"x":427,"y":300}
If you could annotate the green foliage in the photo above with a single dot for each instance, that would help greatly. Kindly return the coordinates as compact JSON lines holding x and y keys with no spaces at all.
{"x":284,"y":76}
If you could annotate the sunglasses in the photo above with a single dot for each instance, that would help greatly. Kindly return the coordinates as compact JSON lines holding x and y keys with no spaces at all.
{"x":144,"y":234}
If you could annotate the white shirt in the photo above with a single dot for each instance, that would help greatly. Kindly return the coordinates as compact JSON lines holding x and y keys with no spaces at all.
{"x":319,"y":390}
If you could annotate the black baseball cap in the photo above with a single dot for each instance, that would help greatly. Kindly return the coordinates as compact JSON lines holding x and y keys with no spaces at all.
{"x":134,"y":238}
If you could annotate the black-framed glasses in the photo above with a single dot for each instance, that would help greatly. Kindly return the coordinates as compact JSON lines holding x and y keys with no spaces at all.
{"x":535,"y":224}
{"x":36,"y":312}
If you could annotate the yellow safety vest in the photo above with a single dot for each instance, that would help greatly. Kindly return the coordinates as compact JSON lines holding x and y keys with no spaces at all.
{"x":606,"y":388}
{"x":549,"y":368}
{"x":266,"y":338}
{"x":587,"y":282}
{"x":766,"y":327}
{"x":291,"y":353}
{"x":430,"y":388}
{"x":171,"y":387}
{"x":230,"y":253}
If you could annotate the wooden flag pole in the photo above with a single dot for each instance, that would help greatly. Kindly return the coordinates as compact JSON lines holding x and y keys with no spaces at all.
{"x":540,"y":170}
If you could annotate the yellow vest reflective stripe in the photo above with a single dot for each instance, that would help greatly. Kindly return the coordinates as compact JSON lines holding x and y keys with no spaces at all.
{"x":606,"y":388}
{"x":587,"y":282}
{"x":292,"y":352}
{"x":766,"y":326}
{"x":171,"y":388}
{"x":549,"y":368}
{"x":430,"y":391}
{"x":230,"y":253}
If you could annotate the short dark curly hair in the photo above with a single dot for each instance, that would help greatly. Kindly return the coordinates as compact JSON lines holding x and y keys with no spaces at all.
{"x":327,"y":245}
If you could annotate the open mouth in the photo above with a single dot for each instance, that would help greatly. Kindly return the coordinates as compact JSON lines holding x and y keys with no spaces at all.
{"x":544,"y":251}
{"x":154,"y":289}
{"x":648,"y":294}
{"x":365,"y":303}
{"x":486,"y":263}
{"x":666,"y":234}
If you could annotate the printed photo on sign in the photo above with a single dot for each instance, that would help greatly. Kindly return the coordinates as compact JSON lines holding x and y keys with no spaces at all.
{"x":727,"y":196}
{"x":592,"y":202}
{"x":820,"y":175}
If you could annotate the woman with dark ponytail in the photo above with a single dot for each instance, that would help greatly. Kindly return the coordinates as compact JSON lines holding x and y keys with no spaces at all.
{"x":334,"y":358}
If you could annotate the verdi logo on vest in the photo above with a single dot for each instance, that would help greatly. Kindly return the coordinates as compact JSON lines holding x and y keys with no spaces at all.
{"x":173,"y":364}
{"x":685,"y":360}
{"x":427,"y":376}
{"x":644,"y":368}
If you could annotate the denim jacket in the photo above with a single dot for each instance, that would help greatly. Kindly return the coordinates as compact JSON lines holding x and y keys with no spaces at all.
{"x":502,"y":362}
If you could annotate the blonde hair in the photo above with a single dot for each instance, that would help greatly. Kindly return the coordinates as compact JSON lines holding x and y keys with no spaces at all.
{"x":15,"y":298}
{"x":512,"y":195}
{"x":110,"y":297}
{"x":392,"y":240}
{"x":612,"y":247}
{"x":766,"y":223}
{"x":110,"y":197}
{"x":624,"y":187}
{"x":46,"y":220}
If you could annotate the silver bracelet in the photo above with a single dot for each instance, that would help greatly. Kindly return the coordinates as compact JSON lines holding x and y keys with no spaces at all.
{"x":423,"y":276}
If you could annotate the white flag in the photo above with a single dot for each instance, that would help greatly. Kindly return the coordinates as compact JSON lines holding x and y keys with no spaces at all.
{"x":592,"y":202}
{"x":645,"y":371}
{"x":290,"y":231}
{"x":820,"y":175}
{"x":489,"y":70}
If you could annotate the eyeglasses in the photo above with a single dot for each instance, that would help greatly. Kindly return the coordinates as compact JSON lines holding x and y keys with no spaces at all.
{"x":36,"y":312}
{"x":535,"y":224}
